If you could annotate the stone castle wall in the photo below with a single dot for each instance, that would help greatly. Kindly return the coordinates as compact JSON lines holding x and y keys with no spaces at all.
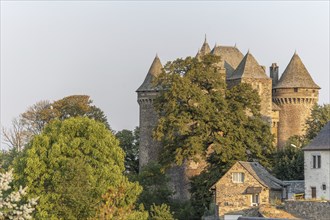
{"x":149,"y":149}
{"x":296,"y":105}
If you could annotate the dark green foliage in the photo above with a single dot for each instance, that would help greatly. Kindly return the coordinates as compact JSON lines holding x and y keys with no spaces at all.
{"x":160,"y":212}
{"x":289,"y":161}
{"x":7,"y":158}
{"x":69,"y":166}
{"x":129,"y":142}
{"x":319,"y":118}
{"x":155,"y":186}
{"x":201,"y":118}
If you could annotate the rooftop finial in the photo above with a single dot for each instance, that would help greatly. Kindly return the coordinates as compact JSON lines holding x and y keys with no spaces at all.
{"x":205,"y":41}
{"x":248,"y":51}
{"x":157,"y":55}
{"x":235,"y":45}
{"x":295,"y":52}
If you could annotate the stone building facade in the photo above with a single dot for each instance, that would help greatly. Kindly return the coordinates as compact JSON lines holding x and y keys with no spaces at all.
{"x":285,"y":103}
{"x":244,"y":186}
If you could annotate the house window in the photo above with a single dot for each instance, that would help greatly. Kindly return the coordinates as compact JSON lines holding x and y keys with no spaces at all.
{"x":324,"y":187}
{"x":316,"y":161}
{"x":255,"y":199}
{"x":238,"y":177}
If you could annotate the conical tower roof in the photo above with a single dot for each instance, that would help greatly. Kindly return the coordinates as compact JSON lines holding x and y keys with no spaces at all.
{"x":296,"y":75}
{"x":248,"y":68}
{"x":155,"y":69}
{"x":205,"y":48}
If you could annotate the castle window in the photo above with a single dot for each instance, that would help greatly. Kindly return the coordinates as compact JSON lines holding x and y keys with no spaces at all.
{"x":324,"y":187}
{"x":238,"y":177}
{"x":295,"y":89}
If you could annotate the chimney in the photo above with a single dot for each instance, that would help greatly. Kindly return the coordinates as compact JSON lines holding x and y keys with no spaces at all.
{"x":273,"y":69}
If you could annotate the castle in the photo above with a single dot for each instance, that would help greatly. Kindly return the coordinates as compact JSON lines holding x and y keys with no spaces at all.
{"x":286,"y":103}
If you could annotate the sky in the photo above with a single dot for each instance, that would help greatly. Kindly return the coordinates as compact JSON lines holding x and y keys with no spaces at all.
{"x":53,"y":49}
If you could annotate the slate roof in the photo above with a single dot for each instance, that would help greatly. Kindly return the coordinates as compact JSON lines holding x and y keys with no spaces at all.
{"x":205,"y":48}
{"x":295,"y":186}
{"x":231,"y":56}
{"x":155,"y":69}
{"x":262,"y":175}
{"x":248,"y":68}
{"x":321,"y":141}
{"x":275,"y":107}
{"x":296,"y":75}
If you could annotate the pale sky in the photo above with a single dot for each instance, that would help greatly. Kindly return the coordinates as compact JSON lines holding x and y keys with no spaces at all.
{"x":53,"y":49}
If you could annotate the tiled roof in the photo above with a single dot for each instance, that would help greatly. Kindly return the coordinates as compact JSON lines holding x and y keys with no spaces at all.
{"x":155,"y":69}
{"x":296,"y":75}
{"x":321,"y":141}
{"x":248,"y":68}
{"x":262,"y":175}
{"x":231,"y":56}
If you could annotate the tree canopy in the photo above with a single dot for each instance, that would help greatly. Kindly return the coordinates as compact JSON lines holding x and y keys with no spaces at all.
{"x":69,"y":166}
{"x":129,"y":142}
{"x":198,"y":114}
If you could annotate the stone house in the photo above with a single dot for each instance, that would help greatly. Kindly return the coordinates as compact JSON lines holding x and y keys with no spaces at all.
{"x":317,"y":166}
{"x":244,"y":186}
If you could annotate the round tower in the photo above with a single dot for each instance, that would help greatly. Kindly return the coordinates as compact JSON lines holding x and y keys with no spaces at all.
{"x":296,"y":93}
{"x":149,"y":149}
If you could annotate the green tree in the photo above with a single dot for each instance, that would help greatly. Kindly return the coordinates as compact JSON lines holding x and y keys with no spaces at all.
{"x":289,"y":161}
{"x":119,"y":202}
{"x":129,"y":142}
{"x":69,"y":166}
{"x":319,"y":118}
{"x":155,"y":186}
{"x":160,"y":212}
{"x":199,"y":118}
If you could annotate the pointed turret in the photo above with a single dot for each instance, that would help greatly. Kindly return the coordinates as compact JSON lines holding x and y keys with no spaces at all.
{"x":216,"y":50}
{"x":296,"y":75}
{"x":248,"y":68}
{"x":155,"y":69}
{"x":205,"y":48}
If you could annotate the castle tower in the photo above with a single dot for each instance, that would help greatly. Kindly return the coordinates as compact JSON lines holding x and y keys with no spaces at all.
{"x":295,"y":94}
{"x":249,"y":71}
{"x":149,"y":148}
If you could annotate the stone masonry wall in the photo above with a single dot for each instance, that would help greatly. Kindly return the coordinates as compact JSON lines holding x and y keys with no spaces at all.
{"x":149,"y":148}
{"x":264,"y":88}
{"x":295,"y":109}
{"x":231,"y":197}
{"x":314,"y":210}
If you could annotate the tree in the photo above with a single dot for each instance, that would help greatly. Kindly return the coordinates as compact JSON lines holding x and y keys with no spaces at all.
{"x":289,"y":161}
{"x":161,"y":212}
{"x":320,"y":116}
{"x":69,"y":166}
{"x":119,"y":202}
{"x":199,"y":118}
{"x":129,"y":142}
{"x":155,"y":186}
{"x":198,"y":114}
{"x":13,"y":205}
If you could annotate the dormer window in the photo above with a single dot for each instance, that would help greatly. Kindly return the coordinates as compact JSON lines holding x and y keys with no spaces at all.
{"x":238,"y":177}
{"x":295,"y":89}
